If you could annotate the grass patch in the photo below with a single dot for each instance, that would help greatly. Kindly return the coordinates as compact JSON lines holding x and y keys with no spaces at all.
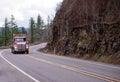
{"x":86,"y":56}
{"x":109,"y":59}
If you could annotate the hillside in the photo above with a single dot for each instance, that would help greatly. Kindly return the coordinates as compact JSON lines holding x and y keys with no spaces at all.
{"x":87,"y":29}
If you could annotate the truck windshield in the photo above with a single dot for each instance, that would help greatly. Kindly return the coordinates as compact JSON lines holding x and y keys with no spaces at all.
{"x":20,"y":39}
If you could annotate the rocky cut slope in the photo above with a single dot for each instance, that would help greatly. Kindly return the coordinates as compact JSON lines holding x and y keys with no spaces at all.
{"x":87,"y":28}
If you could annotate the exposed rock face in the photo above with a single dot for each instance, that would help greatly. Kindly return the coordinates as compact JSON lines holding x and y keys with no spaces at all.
{"x":87,"y":27}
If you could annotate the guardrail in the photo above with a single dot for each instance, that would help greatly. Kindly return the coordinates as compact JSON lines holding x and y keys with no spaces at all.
{"x":4,"y":47}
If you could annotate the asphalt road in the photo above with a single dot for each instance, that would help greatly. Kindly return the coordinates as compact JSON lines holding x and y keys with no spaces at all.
{"x":41,"y":67}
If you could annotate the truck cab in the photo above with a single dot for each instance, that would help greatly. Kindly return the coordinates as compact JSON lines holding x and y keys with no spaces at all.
{"x":20,"y":44}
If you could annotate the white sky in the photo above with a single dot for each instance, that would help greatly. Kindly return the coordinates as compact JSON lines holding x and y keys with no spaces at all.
{"x":24,"y":9}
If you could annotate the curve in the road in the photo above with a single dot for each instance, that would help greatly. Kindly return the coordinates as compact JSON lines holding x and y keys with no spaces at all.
{"x":64,"y":66}
{"x":102,"y":77}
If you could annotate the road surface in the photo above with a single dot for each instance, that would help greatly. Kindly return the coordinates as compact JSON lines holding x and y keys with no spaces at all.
{"x":40,"y":67}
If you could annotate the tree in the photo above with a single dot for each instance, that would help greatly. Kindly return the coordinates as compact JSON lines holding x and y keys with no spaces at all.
{"x":32,"y":27}
{"x":5,"y":37}
{"x":23,"y":30}
{"x":10,"y":27}
{"x":39,"y":28}
{"x":2,"y":37}
{"x":13,"y":26}
{"x":39,"y":21}
{"x":47,"y":29}
{"x":6,"y":33}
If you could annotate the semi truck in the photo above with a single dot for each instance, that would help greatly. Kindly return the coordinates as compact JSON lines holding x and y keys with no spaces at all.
{"x":20,"y":44}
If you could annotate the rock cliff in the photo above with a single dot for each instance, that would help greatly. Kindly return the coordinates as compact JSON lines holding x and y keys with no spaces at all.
{"x":87,"y":28}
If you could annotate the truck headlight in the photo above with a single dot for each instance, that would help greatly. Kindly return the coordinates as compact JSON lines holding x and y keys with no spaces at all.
{"x":27,"y":46}
{"x":15,"y":46}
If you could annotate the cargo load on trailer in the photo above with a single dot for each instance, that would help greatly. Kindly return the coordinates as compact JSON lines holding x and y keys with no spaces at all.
{"x":20,"y":43}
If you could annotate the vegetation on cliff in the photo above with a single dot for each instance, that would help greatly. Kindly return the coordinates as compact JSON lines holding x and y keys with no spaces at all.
{"x":87,"y":29}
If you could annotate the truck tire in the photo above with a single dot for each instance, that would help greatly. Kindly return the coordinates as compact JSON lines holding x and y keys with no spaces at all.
{"x":27,"y":52}
{"x":14,"y":52}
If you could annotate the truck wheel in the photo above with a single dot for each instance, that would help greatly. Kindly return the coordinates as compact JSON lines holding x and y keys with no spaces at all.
{"x":13,"y":52}
{"x":27,"y":52}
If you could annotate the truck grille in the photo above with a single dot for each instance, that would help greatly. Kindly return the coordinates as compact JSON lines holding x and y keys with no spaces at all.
{"x":21,"y":46}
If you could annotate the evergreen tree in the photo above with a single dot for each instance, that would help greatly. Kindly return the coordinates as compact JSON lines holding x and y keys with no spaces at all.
{"x":5,"y":36}
{"x":39,"y":28}
{"x":13,"y":26}
{"x":23,"y":30}
{"x":32,"y":28}
{"x":6,"y":33}
{"x":39,"y":21}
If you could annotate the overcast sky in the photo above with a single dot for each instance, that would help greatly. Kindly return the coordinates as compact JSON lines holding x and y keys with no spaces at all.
{"x":24,"y":9}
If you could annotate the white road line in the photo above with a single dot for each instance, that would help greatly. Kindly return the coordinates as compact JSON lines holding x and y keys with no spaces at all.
{"x":18,"y":68}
